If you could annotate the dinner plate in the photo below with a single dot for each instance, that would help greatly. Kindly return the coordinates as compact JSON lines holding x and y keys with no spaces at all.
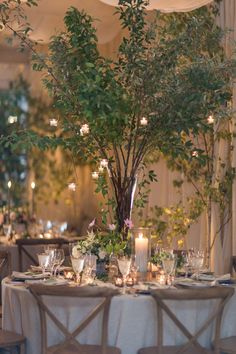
{"x":193,"y":284}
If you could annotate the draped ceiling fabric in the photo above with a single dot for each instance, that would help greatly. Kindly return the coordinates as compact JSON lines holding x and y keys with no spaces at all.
{"x":169,"y":5}
{"x":48,"y":17}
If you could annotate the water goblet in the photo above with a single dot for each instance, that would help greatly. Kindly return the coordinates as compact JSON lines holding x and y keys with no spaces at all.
{"x":169,"y":265}
{"x":78,"y":266}
{"x":124,"y":264}
{"x":197,"y":261}
{"x":44,"y":260}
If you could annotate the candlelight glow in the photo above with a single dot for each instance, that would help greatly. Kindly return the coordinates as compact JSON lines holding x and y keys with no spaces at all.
{"x":53,"y":122}
{"x":104,"y":163}
{"x":33,"y":185}
{"x":12,"y":119}
{"x":9,"y":184}
{"x":143,"y":121}
{"x":72,"y":186}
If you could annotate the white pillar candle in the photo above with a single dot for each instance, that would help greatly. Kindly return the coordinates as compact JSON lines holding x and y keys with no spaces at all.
{"x":141,"y":253}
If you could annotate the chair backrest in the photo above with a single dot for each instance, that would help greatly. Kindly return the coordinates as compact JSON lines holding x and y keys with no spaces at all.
{"x":23,"y":247}
{"x":222,"y":294}
{"x":104,"y":296}
{"x":5,"y":262}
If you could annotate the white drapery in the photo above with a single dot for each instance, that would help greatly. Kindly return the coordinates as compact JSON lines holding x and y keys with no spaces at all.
{"x":169,"y":5}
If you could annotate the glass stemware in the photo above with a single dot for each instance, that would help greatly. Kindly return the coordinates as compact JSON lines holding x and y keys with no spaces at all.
{"x":44,"y":260}
{"x":197,"y":261}
{"x":169,"y":265}
{"x":124,"y":264}
{"x":59,"y":257}
{"x":90,"y":267}
{"x":78,"y":266}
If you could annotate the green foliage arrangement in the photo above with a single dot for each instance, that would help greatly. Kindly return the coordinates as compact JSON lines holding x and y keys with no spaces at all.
{"x":169,"y":76}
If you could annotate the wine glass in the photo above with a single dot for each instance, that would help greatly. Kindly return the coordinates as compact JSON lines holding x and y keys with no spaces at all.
{"x":197,"y":260}
{"x":77,"y":265}
{"x":186,"y":263}
{"x":124,"y":264}
{"x":44,"y":260}
{"x":59,"y":257}
{"x":50,"y":250}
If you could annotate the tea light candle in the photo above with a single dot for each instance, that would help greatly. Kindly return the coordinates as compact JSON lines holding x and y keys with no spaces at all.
{"x":68,"y":274}
{"x":141,"y":253}
{"x":95,"y":175}
{"x":144,"y":121}
{"x":162,"y":279}
{"x":119,"y":281}
{"x":129,"y":281}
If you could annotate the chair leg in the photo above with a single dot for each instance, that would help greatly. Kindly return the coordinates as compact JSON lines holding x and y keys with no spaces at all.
{"x":22,"y":348}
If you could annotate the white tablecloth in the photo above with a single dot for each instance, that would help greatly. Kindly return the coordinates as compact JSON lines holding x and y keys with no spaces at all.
{"x":132,"y":322}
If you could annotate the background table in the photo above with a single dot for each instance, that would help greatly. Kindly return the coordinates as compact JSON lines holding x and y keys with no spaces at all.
{"x":132,"y":322}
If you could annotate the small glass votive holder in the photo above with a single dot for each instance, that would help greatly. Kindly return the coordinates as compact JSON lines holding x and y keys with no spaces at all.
{"x":130,"y":280}
{"x":118,"y":281}
{"x":161,"y":278}
{"x":69,"y":274}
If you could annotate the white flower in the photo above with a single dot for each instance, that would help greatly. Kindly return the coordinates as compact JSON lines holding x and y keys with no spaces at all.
{"x":195,"y":153}
{"x":92,"y":223}
{"x":76,"y":253}
{"x":111,"y":227}
{"x":102,"y":254}
{"x":84,"y":129}
{"x":104,"y":163}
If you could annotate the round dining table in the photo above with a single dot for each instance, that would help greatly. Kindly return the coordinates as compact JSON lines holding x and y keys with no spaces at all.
{"x":132,"y":320}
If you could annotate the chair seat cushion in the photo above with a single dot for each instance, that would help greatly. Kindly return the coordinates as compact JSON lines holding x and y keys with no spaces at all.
{"x":228,"y":345}
{"x":83,"y":349}
{"x":8,"y":339}
{"x":173,"y":350}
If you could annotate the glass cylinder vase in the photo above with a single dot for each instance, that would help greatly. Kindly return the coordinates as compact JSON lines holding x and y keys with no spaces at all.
{"x":141,"y":247}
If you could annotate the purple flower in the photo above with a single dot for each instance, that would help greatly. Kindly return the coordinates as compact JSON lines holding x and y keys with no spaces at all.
{"x":111,"y":227}
{"x":129,"y":223}
{"x":92,"y":224}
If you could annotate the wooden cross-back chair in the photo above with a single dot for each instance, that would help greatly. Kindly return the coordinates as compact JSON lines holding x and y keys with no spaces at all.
{"x":70,"y":344}
{"x":5,"y":262}
{"x":9,"y":340}
{"x":192,"y":346}
{"x":23,"y":247}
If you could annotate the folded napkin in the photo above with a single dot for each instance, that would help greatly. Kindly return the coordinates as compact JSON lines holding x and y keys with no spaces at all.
{"x":27,"y":276}
{"x":103,"y":284}
{"x":51,"y":281}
